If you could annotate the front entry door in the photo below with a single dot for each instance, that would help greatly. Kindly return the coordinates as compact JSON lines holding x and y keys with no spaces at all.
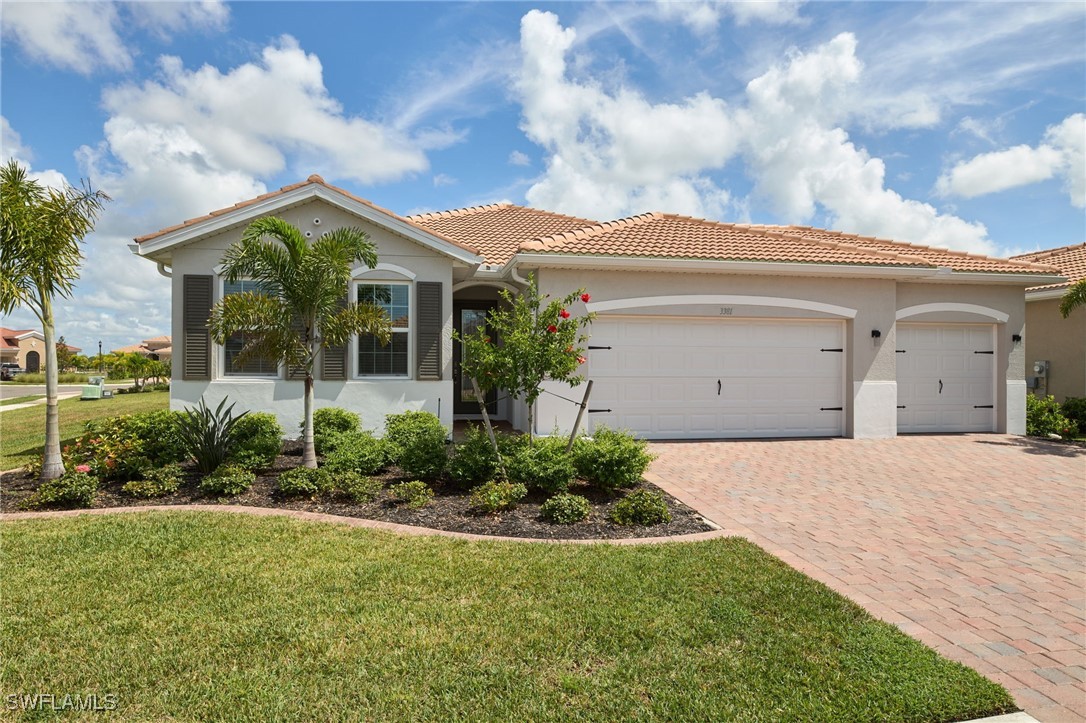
{"x":468,"y":317}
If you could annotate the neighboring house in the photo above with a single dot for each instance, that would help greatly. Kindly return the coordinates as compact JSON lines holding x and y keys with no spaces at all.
{"x":159,"y":348}
{"x":705,"y":329}
{"x":25,"y":347}
{"x":1056,"y":347}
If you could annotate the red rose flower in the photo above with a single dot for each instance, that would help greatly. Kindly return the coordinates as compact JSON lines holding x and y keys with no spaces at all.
{"x":552,"y":328}
{"x":581,"y":360}
{"x":564,"y":314}
{"x":586,"y":298}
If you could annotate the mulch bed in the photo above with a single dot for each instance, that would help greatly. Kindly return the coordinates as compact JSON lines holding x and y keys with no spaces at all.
{"x":449,"y":510}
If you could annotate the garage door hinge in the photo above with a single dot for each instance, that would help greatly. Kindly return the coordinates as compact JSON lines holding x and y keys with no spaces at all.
{"x":598,"y":347}
{"x":597,"y":411}
{"x":983,"y":406}
{"x":900,"y":351}
{"x":901,"y":406}
{"x":831,"y":350}
{"x":984,"y":352}
{"x":831,"y":409}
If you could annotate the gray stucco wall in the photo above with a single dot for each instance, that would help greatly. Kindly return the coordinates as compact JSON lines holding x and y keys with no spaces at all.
{"x":1059,"y":341}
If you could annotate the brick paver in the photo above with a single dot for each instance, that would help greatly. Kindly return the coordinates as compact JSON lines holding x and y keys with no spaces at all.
{"x":974,"y":544}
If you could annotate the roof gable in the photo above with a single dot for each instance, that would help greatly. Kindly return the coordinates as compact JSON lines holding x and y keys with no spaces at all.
{"x":159,"y":243}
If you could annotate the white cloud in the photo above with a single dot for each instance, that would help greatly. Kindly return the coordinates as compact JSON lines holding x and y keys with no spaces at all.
{"x":251,"y":118}
{"x":703,"y":16}
{"x":12,"y":148}
{"x":1062,"y":154}
{"x":443,"y":179}
{"x":517,"y":158}
{"x":611,"y":152}
{"x":86,"y":36}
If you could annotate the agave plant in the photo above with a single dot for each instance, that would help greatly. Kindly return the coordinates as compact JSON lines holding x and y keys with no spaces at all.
{"x":208,"y":436}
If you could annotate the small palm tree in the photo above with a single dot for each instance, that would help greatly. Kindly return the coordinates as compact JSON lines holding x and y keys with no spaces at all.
{"x":41,"y":230}
{"x":299,"y":310}
{"x":1074,"y":298}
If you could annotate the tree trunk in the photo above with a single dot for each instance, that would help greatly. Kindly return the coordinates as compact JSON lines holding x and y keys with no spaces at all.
{"x":531,"y":424}
{"x":309,"y":450}
{"x":53,"y":464}
{"x":489,"y":427}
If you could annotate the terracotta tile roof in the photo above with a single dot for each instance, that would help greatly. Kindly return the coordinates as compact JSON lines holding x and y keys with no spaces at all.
{"x":7,"y":337}
{"x":166,"y":338}
{"x":664,"y":235}
{"x":498,"y":229}
{"x":313,"y":179}
{"x":956,"y":260}
{"x":130,"y":349}
{"x":1070,"y":260}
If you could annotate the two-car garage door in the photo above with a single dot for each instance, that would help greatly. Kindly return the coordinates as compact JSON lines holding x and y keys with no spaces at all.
{"x":683,"y":378}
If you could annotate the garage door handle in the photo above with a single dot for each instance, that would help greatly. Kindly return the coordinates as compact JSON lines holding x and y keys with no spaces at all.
{"x":983,"y":406}
{"x":940,"y":386}
{"x":718,"y":385}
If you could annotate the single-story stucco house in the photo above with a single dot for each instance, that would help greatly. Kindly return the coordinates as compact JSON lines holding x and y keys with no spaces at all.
{"x":704,"y":329}
{"x":1056,"y":347}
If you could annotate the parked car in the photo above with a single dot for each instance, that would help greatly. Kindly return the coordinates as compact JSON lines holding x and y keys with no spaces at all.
{"x":8,"y":370}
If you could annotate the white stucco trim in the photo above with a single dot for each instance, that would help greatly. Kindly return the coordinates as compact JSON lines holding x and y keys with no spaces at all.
{"x":909,"y":311}
{"x":363,"y":271}
{"x":1016,"y":406}
{"x":874,"y":410}
{"x":1046,"y":294}
{"x":473,"y":282}
{"x":721,"y":300}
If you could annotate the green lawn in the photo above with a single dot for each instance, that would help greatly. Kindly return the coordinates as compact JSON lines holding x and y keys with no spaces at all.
{"x":201,"y":616}
{"x":22,"y":431}
{"x":20,"y":400}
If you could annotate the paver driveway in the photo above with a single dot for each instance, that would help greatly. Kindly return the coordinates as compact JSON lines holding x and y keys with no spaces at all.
{"x":973,"y":544}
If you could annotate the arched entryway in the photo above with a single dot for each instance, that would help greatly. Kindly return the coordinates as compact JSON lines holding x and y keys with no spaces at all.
{"x":33,"y":362}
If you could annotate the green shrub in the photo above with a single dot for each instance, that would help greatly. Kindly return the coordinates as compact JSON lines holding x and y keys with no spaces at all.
{"x":229,"y":479}
{"x":1043,"y":417}
{"x":493,"y":496}
{"x":544,"y":465}
{"x":565,"y":509}
{"x":1074,"y":408}
{"x":123,"y":447}
{"x":39,"y":378}
{"x":208,"y":436}
{"x":258,"y":440}
{"x":611,"y":459}
{"x":358,"y":488}
{"x":641,"y":508}
{"x":329,"y":422}
{"x":416,"y":442}
{"x":416,"y":494}
{"x":157,"y":482}
{"x":359,"y":452}
{"x":304,"y":482}
{"x":474,"y":461}
{"x":72,"y":489}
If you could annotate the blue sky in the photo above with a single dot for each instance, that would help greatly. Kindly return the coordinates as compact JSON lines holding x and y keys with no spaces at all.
{"x":953,"y":124}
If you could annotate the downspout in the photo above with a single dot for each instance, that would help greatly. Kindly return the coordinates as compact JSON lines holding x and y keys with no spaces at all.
{"x":166,"y":271}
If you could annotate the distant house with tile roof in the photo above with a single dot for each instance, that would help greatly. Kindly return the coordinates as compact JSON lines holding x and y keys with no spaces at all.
{"x":704,"y":329}
{"x":159,"y":348}
{"x":1054,"y":345}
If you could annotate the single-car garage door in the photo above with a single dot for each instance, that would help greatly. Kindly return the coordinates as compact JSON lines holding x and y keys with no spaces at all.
{"x":683,"y":378}
{"x":945,"y":378}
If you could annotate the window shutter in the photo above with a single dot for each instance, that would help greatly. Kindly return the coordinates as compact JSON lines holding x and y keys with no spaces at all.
{"x":196,"y":339}
{"x":334,"y":358}
{"x":429,"y":321}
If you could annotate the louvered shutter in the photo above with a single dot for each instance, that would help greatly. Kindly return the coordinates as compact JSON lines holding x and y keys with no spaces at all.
{"x":334,"y":358}
{"x":196,"y":292}
{"x":428,"y":324}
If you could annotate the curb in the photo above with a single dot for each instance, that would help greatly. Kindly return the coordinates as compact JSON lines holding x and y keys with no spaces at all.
{"x":393,"y":527}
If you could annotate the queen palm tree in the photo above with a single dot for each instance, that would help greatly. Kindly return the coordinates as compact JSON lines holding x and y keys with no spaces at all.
{"x":1074,"y":298}
{"x":300,"y":309}
{"x":41,"y":228}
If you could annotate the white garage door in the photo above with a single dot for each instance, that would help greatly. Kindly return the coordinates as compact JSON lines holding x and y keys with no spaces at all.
{"x":681,"y":378}
{"x":945,"y":378}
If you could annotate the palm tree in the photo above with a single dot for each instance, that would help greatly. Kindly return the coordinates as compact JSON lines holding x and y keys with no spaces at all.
{"x":1074,"y":298}
{"x":300,"y":309}
{"x":41,"y":230}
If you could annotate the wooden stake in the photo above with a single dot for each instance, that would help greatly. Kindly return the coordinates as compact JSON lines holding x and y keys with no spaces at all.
{"x":580,"y":415}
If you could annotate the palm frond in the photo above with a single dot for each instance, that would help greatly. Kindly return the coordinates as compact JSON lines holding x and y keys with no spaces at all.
{"x":1074,"y":298}
{"x":354,"y":320}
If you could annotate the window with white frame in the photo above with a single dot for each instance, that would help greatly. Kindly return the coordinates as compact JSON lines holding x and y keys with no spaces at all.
{"x":390,"y":360}
{"x":254,"y":367}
